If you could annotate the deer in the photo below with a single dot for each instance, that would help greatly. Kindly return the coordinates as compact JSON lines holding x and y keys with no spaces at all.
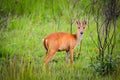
{"x":62,"y":41}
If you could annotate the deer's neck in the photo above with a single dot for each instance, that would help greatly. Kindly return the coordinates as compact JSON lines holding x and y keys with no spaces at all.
{"x":78,"y":38}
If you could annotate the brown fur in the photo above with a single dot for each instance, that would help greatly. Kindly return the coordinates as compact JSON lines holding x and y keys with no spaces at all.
{"x":61,"y":41}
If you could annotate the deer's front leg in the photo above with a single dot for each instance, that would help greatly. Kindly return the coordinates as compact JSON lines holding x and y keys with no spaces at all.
{"x":71,"y":57}
{"x":67,"y":52}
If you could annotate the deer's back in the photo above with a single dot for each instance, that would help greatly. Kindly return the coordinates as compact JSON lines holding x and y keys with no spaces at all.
{"x":60,"y":41}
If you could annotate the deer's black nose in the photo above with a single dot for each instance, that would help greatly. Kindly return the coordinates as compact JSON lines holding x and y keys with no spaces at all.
{"x":81,"y":32}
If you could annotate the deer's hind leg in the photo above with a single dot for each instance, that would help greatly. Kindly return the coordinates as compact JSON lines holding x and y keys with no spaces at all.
{"x":49,"y":56}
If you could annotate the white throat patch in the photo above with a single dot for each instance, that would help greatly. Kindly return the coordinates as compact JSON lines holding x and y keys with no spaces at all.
{"x":78,"y":41}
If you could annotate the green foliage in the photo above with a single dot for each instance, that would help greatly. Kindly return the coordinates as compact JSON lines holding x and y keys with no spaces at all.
{"x":21,"y":47}
{"x":108,"y":67}
{"x":19,"y":7}
{"x":105,"y":17}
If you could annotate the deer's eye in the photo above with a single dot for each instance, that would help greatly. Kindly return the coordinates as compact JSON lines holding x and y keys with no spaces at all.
{"x":83,"y":27}
{"x":78,"y":27}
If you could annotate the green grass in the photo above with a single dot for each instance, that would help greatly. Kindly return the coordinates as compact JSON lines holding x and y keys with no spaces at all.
{"x":21,"y":48}
{"x":23,"y":53}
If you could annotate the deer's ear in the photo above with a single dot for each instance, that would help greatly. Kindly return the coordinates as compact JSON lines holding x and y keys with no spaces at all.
{"x":78,"y":22}
{"x":85,"y":22}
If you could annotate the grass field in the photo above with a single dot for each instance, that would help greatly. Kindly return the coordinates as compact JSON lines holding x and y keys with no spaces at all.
{"x":22,"y":52}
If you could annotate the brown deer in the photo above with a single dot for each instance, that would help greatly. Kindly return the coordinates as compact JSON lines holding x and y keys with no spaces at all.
{"x":61,"y":41}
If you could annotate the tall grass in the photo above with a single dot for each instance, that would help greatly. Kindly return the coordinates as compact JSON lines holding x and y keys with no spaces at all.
{"x":21,"y":47}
